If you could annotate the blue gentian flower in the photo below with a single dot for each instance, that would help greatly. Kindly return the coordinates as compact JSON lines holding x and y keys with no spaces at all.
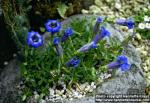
{"x":96,"y":26}
{"x":121,"y":62}
{"x":74,"y":62}
{"x":67,"y":33}
{"x":34,"y":39}
{"x":87,"y":47}
{"x":99,"y":19}
{"x":103,"y":33}
{"x":53,"y":26}
{"x":93,"y":44}
{"x":56,"y":42}
{"x":121,"y":21}
{"x":128,"y":22}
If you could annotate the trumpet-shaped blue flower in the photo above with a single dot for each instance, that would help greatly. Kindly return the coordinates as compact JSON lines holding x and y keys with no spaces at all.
{"x":121,"y":62}
{"x":121,"y":22}
{"x":74,"y":62}
{"x":34,"y":39}
{"x":96,"y":26}
{"x":99,"y":19}
{"x":67,"y":33}
{"x":103,"y":33}
{"x":56,"y":42}
{"x":128,"y":22}
{"x":87,"y":47}
{"x":53,"y":26}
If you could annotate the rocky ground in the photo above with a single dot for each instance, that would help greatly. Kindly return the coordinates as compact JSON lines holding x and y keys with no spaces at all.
{"x":118,"y":8}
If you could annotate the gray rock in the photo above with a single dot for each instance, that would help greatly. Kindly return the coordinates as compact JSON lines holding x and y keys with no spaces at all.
{"x":9,"y":78}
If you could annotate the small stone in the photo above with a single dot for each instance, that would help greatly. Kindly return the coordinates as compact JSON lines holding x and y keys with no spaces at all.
{"x":36,"y":96}
{"x":144,"y":53}
{"x":75,"y":94}
{"x":118,"y":6}
{"x":51,"y":91}
{"x":147,"y":61}
{"x":80,"y":96}
{"x":85,"y":11}
{"x":147,"y":25}
{"x":64,"y":96}
{"x":57,"y":91}
{"x":146,"y":18}
{"x":57,"y":95}
{"x":91,"y":90}
{"x":94,"y":87}
{"x":135,"y":43}
{"x":149,"y":77}
{"x":46,"y":98}
{"x":42,"y":101}
{"x":92,"y":84}
{"x":138,"y":36}
{"x":59,"y":98}
{"x":98,"y":3}
{"x":82,"y":86}
{"x":5,"y":63}
{"x":62,"y":91}
{"x":94,"y":9}
{"x":70,"y":98}
{"x":145,"y":69}
{"x":14,"y":55}
{"x":87,"y":88}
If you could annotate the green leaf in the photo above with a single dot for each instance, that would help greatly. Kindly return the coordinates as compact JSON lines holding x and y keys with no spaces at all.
{"x":62,"y":8}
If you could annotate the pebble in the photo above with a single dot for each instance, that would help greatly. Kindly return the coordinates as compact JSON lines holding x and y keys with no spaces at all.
{"x":36,"y":96}
{"x":92,"y":84}
{"x":82,"y":86}
{"x":138,"y":36}
{"x":14,"y":55}
{"x":118,"y":6}
{"x":90,"y":90}
{"x":70,"y":98}
{"x":94,"y":9}
{"x":80,"y":96}
{"x":51,"y":91}
{"x":64,"y":96}
{"x":144,"y":53}
{"x":145,"y":69}
{"x":42,"y":101}
{"x":85,"y":11}
{"x":94,"y":87}
{"x":87,"y":88}
{"x":6,"y":63}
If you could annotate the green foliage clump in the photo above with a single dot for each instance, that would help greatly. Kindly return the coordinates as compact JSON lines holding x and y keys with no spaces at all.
{"x":42,"y":67}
